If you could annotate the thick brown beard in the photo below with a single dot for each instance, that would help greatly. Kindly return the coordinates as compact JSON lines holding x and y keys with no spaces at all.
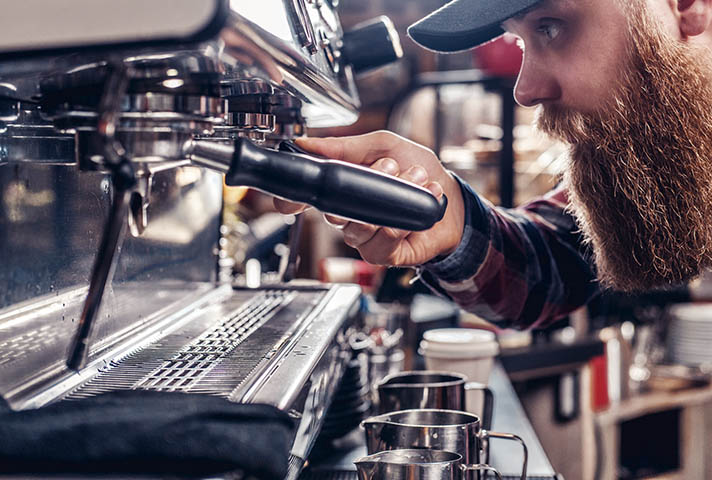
{"x":640,"y":170}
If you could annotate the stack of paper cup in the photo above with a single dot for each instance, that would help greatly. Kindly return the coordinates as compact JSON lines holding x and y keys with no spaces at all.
{"x":468,"y":351}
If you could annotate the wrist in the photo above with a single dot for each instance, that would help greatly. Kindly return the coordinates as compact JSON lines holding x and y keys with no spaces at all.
{"x":472,"y":237}
{"x":454,"y":220}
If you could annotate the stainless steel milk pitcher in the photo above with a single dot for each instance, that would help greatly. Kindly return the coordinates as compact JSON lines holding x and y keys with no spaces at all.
{"x":417,"y":465}
{"x":454,"y":431}
{"x":429,"y":389}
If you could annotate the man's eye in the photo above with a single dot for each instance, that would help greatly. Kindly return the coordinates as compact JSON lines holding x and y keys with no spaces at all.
{"x":550,"y":30}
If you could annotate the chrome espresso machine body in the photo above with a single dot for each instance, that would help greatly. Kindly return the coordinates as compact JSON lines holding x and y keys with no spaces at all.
{"x":117,"y":123}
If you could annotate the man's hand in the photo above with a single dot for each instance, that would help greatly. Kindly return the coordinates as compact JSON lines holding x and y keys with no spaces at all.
{"x":393,"y":155}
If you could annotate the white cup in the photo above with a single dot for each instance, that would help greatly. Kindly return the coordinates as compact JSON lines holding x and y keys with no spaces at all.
{"x":470,"y":352}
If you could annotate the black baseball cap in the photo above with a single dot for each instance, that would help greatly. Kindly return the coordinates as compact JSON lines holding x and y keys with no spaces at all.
{"x":464,"y":24}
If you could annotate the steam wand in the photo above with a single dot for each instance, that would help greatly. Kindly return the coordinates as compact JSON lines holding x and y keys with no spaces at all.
{"x":123,"y":179}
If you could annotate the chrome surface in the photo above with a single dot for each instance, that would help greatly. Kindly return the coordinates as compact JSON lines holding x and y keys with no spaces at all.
{"x":305,"y":374}
{"x":151,"y":112}
{"x":299,"y":18}
{"x":104,"y":264}
{"x":51,"y":218}
{"x":36,"y":338}
{"x":410,"y":464}
{"x":255,"y":51}
{"x":185,"y":359}
{"x":248,"y":86}
{"x":284,"y":347}
{"x":505,"y":456}
{"x":9,"y":107}
{"x":72,"y":116}
{"x":407,"y":390}
{"x":258,"y":122}
{"x":428,"y":389}
{"x":417,"y":465}
{"x":154,"y":145}
{"x":213,"y":155}
{"x":29,"y":138}
{"x":450,"y":430}
{"x":283,"y":65}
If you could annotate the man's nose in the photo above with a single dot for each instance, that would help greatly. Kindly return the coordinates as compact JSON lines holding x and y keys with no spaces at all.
{"x":536,"y":84}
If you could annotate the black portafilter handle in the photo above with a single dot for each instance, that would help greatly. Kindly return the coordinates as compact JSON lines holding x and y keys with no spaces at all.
{"x":334,"y":187}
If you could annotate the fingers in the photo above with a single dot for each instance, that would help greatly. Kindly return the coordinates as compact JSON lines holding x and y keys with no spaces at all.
{"x":336,"y":222}
{"x":385,"y":165}
{"x":417,"y":175}
{"x":357,"y":235}
{"x":436,"y":189}
{"x":362,"y":149}
{"x":286,"y":207}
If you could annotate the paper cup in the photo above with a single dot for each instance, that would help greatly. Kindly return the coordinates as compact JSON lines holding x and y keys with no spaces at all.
{"x":468,"y":351}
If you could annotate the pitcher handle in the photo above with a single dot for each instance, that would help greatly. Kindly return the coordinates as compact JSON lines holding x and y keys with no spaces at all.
{"x":488,"y":404}
{"x":480,"y":468}
{"x":516,"y":438}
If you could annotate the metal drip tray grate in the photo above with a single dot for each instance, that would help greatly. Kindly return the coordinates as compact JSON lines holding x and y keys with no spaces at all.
{"x":189,"y":365}
{"x":206,"y":363}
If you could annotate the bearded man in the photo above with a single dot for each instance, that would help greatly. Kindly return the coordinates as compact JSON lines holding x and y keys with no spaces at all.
{"x":627,"y":84}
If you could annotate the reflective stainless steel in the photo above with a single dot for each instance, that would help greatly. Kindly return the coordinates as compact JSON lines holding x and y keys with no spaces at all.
{"x":216,"y":156}
{"x":29,"y":138}
{"x":51,"y":220}
{"x":417,"y":465}
{"x":256,"y":44}
{"x":427,"y":389}
{"x":9,"y":108}
{"x":450,"y":430}
{"x":93,"y":121}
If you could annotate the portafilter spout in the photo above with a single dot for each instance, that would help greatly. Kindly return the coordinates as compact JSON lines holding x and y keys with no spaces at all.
{"x":334,"y":187}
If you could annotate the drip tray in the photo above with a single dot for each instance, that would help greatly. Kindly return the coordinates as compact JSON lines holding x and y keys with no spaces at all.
{"x":285,"y":347}
{"x":213,"y":361}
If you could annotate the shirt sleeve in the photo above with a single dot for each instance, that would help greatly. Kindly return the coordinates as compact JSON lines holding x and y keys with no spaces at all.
{"x":517,"y":268}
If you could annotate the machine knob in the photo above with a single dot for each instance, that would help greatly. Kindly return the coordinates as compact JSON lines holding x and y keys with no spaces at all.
{"x":371,"y":44}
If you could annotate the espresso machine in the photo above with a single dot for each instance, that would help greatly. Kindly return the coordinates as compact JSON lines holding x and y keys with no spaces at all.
{"x":119,"y":123}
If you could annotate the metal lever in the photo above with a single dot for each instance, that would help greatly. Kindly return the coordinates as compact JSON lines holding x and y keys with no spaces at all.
{"x":103,"y":265}
{"x":123,"y":180}
{"x":334,"y":187}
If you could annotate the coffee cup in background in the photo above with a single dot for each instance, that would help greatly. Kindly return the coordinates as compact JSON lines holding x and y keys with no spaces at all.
{"x":470,"y":352}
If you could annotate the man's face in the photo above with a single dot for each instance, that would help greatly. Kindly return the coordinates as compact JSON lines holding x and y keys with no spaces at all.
{"x":635,"y":103}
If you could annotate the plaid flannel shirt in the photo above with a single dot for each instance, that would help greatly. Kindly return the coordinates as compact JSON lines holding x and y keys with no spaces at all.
{"x":517,"y":268}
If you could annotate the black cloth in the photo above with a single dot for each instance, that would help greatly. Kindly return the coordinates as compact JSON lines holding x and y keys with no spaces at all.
{"x":145,"y":432}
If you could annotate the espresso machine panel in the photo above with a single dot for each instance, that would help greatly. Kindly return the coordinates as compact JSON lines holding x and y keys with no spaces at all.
{"x":118,"y":123}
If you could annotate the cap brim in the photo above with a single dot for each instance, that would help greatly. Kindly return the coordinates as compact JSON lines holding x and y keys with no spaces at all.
{"x":464,"y":24}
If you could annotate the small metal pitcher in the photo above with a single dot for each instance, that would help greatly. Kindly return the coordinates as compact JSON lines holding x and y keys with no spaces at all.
{"x":426,"y":389}
{"x":416,"y":465}
{"x":457,"y":432}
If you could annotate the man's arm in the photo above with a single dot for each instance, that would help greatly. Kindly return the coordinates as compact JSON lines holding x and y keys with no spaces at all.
{"x":517,"y":268}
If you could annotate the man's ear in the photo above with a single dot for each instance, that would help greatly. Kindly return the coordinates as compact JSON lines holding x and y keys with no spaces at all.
{"x":695,"y":16}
